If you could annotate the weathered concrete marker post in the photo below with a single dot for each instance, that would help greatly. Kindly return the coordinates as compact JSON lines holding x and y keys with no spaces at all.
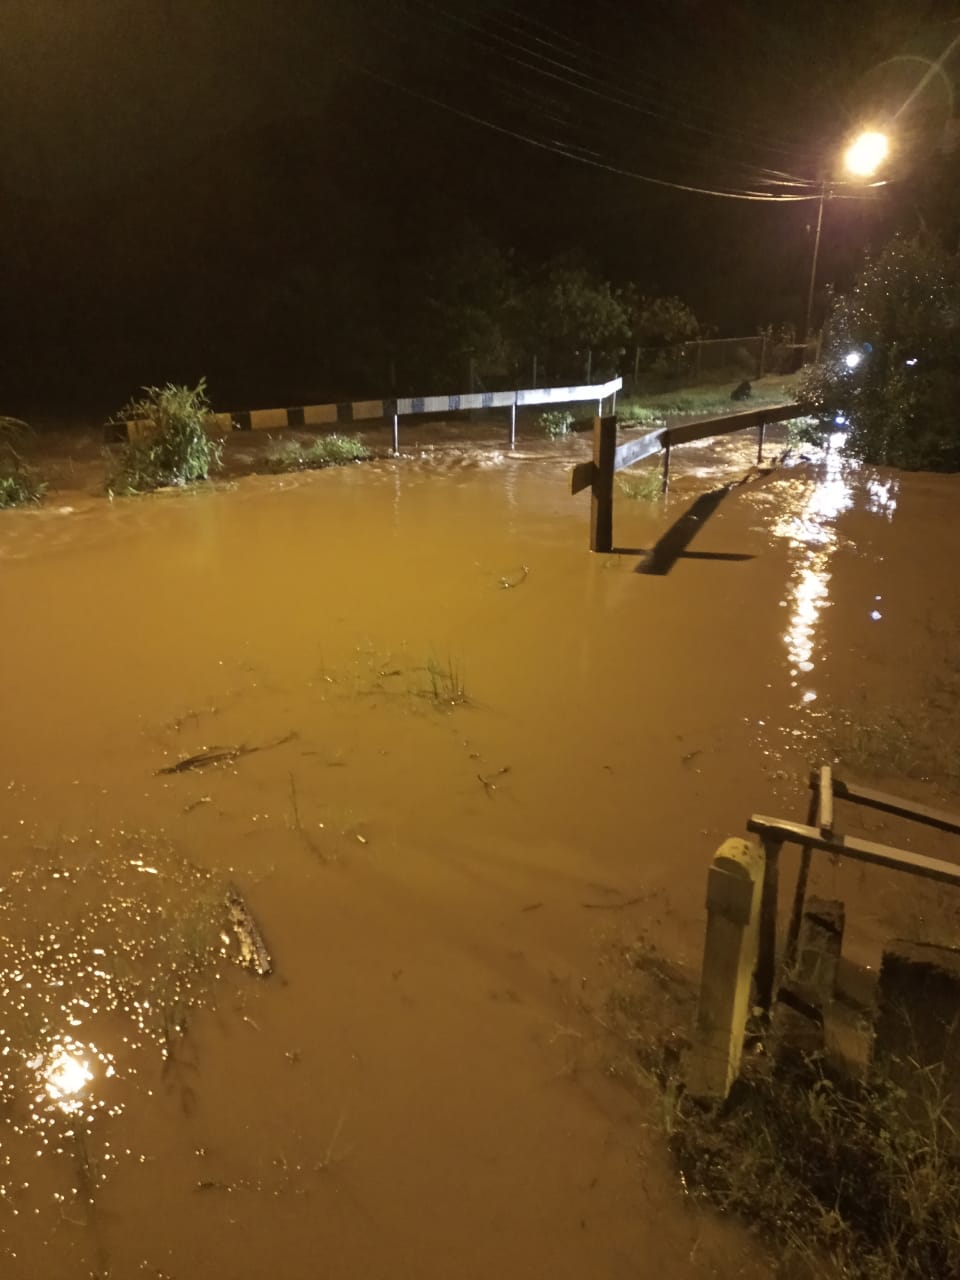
{"x":734,"y":885}
{"x":601,"y":501}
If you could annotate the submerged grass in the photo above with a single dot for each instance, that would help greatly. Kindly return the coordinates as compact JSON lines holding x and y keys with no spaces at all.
{"x":846,"y":1177}
{"x":326,"y":451}
{"x":704,"y":400}
{"x":436,"y":681}
{"x":19,"y":483}
{"x":642,"y":486}
{"x":917,"y":739}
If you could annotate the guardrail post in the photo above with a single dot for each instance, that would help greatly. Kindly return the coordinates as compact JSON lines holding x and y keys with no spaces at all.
{"x":734,"y":885}
{"x":601,"y":501}
{"x":665,"y":483}
{"x":396,"y":433}
{"x":513,"y":425}
{"x":761,"y":430}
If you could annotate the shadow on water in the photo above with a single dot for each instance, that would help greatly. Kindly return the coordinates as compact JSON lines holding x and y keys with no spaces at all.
{"x":673,"y":545}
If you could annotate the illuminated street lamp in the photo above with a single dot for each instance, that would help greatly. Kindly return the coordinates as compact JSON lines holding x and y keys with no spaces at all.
{"x":864,"y":156}
{"x":866,"y":153}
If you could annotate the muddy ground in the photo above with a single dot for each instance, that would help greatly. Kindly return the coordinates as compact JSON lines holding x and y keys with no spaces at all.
{"x":491,"y":770}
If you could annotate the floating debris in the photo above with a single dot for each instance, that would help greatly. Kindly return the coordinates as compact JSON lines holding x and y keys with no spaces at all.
{"x":220,"y":755}
{"x":254,"y":955}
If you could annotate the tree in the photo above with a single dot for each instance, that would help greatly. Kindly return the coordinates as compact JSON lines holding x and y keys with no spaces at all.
{"x":899,"y":328}
{"x":567,"y":311}
{"x":459,"y":304}
{"x":658,"y":322}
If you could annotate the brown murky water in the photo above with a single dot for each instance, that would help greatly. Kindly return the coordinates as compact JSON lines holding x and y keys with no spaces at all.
{"x":484,"y":758}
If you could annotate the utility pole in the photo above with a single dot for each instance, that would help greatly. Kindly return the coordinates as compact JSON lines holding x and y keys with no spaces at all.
{"x":813,"y":266}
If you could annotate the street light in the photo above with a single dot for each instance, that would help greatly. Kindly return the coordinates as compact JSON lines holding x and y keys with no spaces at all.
{"x":866,"y":153}
{"x":862,"y":158}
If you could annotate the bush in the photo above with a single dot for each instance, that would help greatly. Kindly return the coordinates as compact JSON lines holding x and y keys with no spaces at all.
{"x":327,"y":451}
{"x":177,"y":449}
{"x":901,"y":401}
{"x":556,"y":422}
{"x":19,"y":484}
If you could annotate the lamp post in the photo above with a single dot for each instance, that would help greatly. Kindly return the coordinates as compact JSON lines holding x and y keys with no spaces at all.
{"x":862,"y":158}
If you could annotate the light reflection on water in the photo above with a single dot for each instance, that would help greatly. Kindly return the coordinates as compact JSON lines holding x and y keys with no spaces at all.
{"x":809,"y":524}
{"x":811,"y":532}
{"x":114,"y":949}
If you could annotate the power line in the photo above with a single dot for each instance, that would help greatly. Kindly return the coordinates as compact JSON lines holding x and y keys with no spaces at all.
{"x":762,"y":139}
{"x":559,"y":149}
{"x":585,"y":147}
{"x":626,"y":99}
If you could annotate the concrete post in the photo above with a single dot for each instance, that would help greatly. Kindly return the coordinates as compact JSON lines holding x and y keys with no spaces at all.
{"x":734,"y":885}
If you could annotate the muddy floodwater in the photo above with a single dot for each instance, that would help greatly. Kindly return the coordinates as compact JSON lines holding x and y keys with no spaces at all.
{"x":452,"y":765}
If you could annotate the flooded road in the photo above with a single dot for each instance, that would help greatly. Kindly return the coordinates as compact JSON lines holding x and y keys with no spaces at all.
{"x":465,"y":763}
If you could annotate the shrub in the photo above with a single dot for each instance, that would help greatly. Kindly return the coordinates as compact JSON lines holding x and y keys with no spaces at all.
{"x":901,"y":321}
{"x":177,"y":448}
{"x":556,"y":422}
{"x":19,"y":484}
{"x":327,"y":451}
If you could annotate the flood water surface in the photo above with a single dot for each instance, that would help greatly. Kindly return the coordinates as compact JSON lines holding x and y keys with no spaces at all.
{"x":450,"y":763}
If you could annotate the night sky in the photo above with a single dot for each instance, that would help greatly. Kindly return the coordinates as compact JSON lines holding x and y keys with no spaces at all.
{"x":258,"y":190}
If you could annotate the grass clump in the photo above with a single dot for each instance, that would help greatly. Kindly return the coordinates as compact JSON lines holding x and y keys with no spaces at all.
{"x":556,"y":422}
{"x":176,"y":448}
{"x":327,"y":451}
{"x":837,"y":1172}
{"x":642,"y":486}
{"x":19,"y":484}
{"x":444,"y":684}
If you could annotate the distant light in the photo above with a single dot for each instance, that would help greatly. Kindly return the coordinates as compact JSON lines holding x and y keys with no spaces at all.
{"x":876,"y":615}
{"x":841,"y":420}
{"x":852,"y":359}
{"x":912,"y":361}
{"x":867,"y":153}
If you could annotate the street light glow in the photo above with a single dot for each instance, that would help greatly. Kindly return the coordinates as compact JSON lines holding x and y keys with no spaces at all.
{"x":867,"y":153}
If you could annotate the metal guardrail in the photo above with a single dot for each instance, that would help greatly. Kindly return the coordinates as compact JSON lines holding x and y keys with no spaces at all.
{"x":393,"y":410}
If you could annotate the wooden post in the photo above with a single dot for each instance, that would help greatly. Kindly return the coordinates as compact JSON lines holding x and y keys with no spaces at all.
{"x":396,"y":433}
{"x":729,"y":956}
{"x":513,"y":425}
{"x":800,"y":892}
{"x":760,"y":433}
{"x":665,"y":483}
{"x":601,"y":502}
{"x":767,"y":940}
